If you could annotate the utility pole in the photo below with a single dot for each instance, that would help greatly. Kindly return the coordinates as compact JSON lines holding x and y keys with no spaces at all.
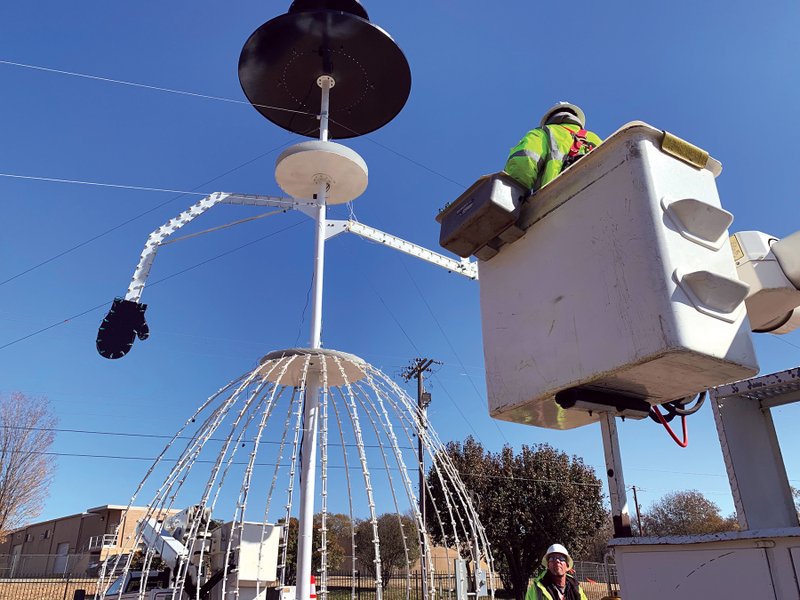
{"x":638,"y":515}
{"x":417,"y":369}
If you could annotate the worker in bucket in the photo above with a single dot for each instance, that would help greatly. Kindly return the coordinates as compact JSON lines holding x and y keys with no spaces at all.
{"x":556,"y":582}
{"x":546,"y":151}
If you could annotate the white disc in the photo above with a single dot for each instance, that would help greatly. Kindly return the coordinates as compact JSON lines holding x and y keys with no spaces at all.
{"x":278,"y":367}
{"x":298,"y":170}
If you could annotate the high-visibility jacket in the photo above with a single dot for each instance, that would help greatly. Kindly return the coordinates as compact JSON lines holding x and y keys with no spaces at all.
{"x":537,"y":590}
{"x":539,"y":156}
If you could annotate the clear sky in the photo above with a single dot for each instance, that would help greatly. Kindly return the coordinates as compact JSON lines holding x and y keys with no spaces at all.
{"x":722,"y":75}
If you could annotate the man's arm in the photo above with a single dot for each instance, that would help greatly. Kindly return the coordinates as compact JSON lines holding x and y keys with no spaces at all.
{"x":526,"y":159}
{"x":592,"y":137}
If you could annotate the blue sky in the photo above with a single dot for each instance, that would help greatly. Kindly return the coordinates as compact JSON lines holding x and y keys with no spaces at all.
{"x":721,"y":75}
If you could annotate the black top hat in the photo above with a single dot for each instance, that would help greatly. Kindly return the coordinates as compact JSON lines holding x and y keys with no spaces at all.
{"x":281,"y":61}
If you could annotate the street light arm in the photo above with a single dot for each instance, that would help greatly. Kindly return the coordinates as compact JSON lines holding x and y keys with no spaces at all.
{"x":157,"y":238}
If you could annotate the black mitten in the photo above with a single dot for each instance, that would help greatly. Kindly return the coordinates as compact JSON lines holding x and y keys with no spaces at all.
{"x":121,"y":325}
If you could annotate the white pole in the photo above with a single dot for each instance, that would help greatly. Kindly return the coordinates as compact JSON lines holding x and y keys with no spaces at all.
{"x":308,"y":471}
{"x":616,"y":483}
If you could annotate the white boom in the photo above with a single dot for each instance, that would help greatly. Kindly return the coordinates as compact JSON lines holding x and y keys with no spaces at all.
{"x":462,"y":267}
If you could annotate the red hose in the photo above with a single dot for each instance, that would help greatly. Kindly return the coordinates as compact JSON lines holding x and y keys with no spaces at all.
{"x":661,"y":420}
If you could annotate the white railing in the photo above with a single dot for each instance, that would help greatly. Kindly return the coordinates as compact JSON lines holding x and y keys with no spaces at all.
{"x":99,"y":542}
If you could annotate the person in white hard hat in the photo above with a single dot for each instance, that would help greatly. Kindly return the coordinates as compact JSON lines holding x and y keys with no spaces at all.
{"x":546,"y":151}
{"x":556,"y":582}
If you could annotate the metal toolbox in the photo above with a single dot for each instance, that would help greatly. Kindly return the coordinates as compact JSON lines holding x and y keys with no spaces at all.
{"x":483,"y":218}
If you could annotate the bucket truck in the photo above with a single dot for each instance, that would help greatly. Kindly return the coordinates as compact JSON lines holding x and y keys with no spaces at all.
{"x":616,"y":290}
{"x":202,"y":559}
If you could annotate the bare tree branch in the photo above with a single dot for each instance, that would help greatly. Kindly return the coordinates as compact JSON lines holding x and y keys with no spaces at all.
{"x":26,"y":431}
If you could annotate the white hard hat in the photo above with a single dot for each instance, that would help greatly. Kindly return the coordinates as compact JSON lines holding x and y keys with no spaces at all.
{"x":563,"y":106}
{"x":557,"y":549}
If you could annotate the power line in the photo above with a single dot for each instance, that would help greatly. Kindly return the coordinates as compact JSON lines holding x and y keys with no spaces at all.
{"x":138,"y":188}
{"x":159,"y":436}
{"x":134,"y":218}
{"x":222,"y":99}
{"x":373,"y":446}
{"x":401,"y":155}
{"x":198,"y":461}
{"x":181,"y":272}
{"x":270,"y":442}
{"x":150,"y":87}
{"x":266,"y":464}
{"x":416,"y":349}
{"x":394,"y":318}
{"x":449,"y":343}
{"x":98,"y":184}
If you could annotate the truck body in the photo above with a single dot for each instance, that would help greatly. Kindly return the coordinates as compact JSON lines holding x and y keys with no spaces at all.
{"x":213,"y":561}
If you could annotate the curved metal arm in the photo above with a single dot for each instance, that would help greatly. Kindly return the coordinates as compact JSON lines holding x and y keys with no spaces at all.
{"x":157,"y":237}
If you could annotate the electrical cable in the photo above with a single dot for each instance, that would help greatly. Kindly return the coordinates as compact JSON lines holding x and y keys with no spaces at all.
{"x":150,"y":87}
{"x":400,"y":154}
{"x":150,"y":285}
{"x":222,"y":99}
{"x":419,"y":353}
{"x":394,"y":318}
{"x":372,"y":446}
{"x":450,"y":344}
{"x":134,"y":218}
{"x":305,"y":308}
{"x":678,"y":407}
{"x":682,"y":443}
{"x":417,"y":350}
{"x":169,"y":90}
{"x":99,"y":184}
{"x":458,"y":408}
{"x":131,"y":434}
{"x":270,"y":464}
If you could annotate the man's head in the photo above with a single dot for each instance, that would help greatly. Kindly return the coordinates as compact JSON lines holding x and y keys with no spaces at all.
{"x":563,"y":112}
{"x":557,"y":560}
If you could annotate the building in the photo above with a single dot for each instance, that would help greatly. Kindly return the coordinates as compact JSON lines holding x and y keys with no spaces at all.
{"x":74,"y":544}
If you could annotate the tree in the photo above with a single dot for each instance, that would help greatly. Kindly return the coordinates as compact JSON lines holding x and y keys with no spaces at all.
{"x":597,"y":546}
{"x":26,"y":433}
{"x":399,"y":544}
{"x":338,"y":527}
{"x":685,"y":513}
{"x":526,"y":502}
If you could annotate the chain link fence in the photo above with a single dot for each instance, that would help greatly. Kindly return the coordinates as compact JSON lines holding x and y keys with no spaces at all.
{"x":47,"y":576}
{"x":598,"y":580}
{"x":59,"y":577}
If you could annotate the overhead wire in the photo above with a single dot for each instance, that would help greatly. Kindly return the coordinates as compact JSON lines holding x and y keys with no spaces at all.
{"x":420,"y":353}
{"x":99,"y":184}
{"x":371,"y":446}
{"x":133,"y":434}
{"x":305,"y":308}
{"x":400,"y":154}
{"x":152,"y":189}
{"x":394,"y":318}
{"x":450,"y":344}
{"x":270,"y":464}
{"x":150,"y":285}
{"x":203,"y":96}
{"x":181,"y":194}
{"x":230,"y":100}
{"x":151,"y":87}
